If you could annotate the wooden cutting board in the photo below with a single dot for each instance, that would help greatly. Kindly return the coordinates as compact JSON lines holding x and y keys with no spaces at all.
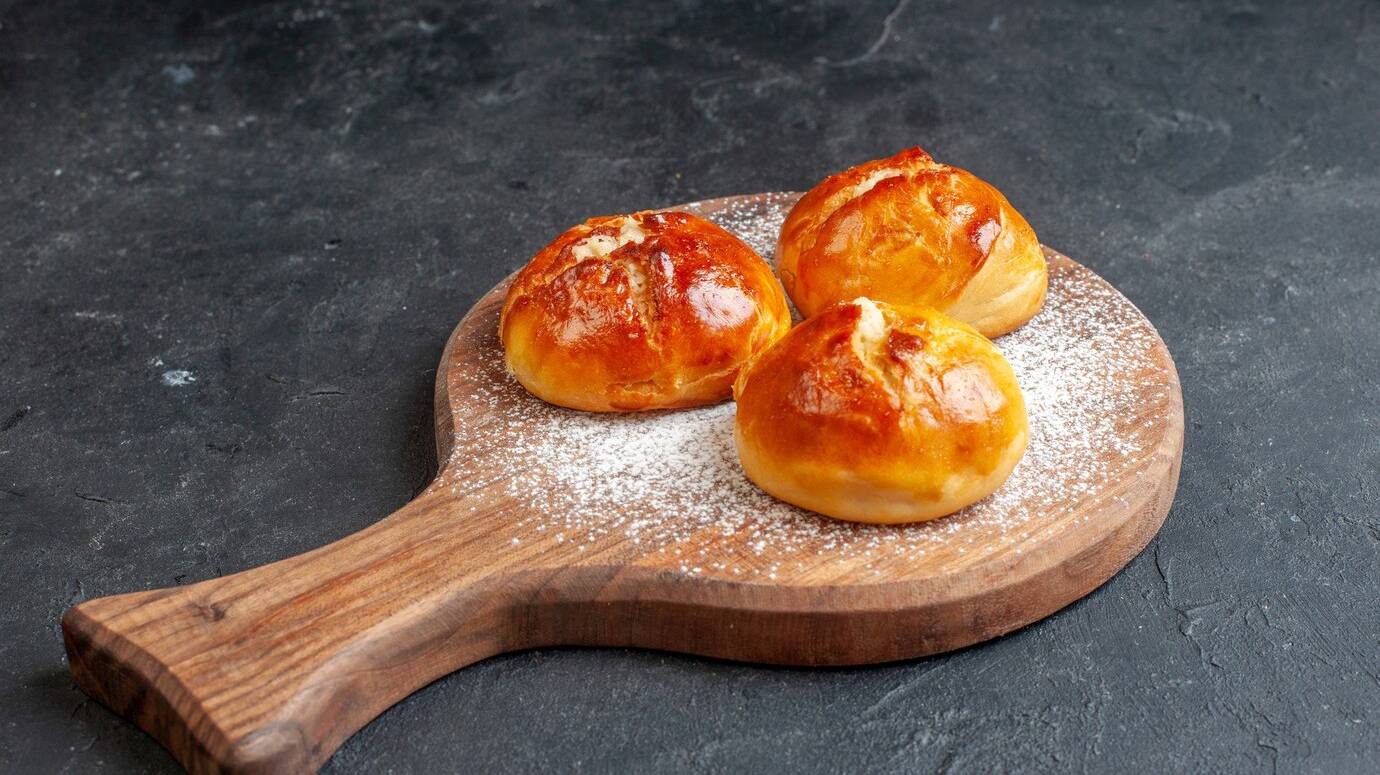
{"x":550,"y":527}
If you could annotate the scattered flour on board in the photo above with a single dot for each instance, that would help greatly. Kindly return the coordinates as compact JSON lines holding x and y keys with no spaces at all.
{"x":671,"y":483}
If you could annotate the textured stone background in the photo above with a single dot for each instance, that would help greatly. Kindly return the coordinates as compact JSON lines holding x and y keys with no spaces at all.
{"x":294,"y":203}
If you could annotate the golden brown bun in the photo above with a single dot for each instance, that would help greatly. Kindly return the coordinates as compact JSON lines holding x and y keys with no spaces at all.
{"x":651,"y":310}
{"x":908,"y":230}
{"x":874,"y":413}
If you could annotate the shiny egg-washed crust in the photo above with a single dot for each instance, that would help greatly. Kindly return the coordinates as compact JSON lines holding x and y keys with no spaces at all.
{"x":652,"y":310}
{"x":909,"y":230}
{"x":874,"y":413}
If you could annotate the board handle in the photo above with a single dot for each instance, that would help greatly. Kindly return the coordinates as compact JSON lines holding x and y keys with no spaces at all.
{"x":269,"y":670}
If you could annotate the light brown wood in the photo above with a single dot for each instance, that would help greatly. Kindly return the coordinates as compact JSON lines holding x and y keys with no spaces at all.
{"x":271,"y":669}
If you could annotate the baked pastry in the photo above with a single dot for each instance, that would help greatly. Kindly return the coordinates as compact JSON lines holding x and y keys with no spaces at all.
{"x":874,"y":413}
{"x":908,"y":230}
{"x":651,"y":310}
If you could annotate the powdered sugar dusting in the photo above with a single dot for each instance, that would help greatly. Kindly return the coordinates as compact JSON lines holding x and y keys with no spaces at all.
{"x":756,"y":221}
{"x":670,"y":482}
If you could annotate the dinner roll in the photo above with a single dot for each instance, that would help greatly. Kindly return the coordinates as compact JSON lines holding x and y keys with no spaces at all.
{"x":908,"y":230}
{"x":875,"y":413}
{"x":651,"y":310}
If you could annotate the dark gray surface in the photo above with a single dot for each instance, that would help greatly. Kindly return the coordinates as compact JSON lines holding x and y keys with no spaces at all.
{"x":297,"y":204}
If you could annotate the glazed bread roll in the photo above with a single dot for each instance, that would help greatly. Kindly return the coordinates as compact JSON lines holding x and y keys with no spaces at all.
{"x":874,"y":413}
{"x":651,"y":310}
{"x":908,"y":230}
